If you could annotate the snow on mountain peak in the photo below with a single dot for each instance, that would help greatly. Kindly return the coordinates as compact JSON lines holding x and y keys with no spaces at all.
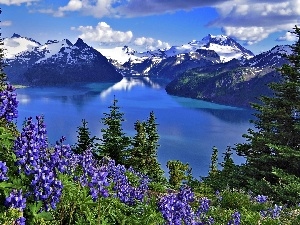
{"x":120,"y":54}
{"x":18,"y":44}
{"x":53,"y":47}
{"x":221,"y":39}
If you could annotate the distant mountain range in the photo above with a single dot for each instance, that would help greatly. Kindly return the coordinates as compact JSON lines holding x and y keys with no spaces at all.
{"x":216,"y":69}
{"x":236,"y":82}
{"x":55,"y":62}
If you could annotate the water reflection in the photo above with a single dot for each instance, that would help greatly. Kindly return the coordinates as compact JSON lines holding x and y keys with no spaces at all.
{"x":127,"y":83}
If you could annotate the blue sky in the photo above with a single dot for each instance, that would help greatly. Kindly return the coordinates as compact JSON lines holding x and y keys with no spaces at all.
{"x":148,"y":24}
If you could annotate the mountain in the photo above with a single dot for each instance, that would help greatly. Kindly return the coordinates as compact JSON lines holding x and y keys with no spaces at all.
{"x":226,"y":47}
{"x":170,"y":62}
{"x":55,"y":62}
{"x":236,"y":82}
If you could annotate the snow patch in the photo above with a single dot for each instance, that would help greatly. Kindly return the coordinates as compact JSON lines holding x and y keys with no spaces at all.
{"x":16,"y":45}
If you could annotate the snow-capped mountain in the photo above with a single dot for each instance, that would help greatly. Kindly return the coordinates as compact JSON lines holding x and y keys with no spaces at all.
{"x":55,"y":62}
{"x":236,"y":82}
{"x":271,"y":58}
{"x":224,"y":46}
{"x":177,"y":58}
{"x":17,"y":44}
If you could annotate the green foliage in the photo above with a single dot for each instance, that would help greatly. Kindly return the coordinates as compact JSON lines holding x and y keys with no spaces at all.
{"x":9,"y":216}
{"x":77,"y":207}
{"x":288,"y":189}
{"x":274,"y":143}
{"x":143,"y":155}
{"x":230,"y":175}
{"x":213,"y":167}
{"x":114,"y":143}
{"x":84,"y":141}
{"x":138,"y":155}
{"x":178,"y":172}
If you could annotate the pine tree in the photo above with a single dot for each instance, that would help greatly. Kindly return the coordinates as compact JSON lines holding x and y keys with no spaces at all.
{"x":137,"y":154}
{"x":84,"y":141}
{"x":179,"y":172}
{"x":143,"y":155}
{"x":114,"y":143}
{"x":275,"y":141}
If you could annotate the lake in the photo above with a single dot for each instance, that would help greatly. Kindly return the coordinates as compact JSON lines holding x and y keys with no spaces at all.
{"x":188,"y":128}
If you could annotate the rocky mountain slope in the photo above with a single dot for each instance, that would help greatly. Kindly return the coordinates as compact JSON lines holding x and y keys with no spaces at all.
{"x":171,"y":62}
{"x":55,"y":62}
{"x":236,"y":82}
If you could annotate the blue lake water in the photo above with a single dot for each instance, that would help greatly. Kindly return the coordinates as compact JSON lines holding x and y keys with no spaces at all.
{"x":188,"y":128}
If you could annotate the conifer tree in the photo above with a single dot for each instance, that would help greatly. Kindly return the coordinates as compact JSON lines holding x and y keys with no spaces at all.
{"x":143,"y":155}
{"x":114,"y":143}
{"x":275,"y":141}
{"x":84,"y":141}
{"x":137,"y":155}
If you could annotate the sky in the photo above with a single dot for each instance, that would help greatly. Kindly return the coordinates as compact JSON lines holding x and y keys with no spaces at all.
{"x":258,"y":25}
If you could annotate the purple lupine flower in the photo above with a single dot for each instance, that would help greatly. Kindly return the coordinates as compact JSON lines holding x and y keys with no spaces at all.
{"x":93,"y":175}
{"x":8,"y":103}
{"x":60,"y":157}
{"x":30,"y":146}
{"x":203,"y":207}
{"x":46,"y":187}
{"x":261,"y":198}
{"x":124,"y":190}
{"x":20,"y":221}
{"x":31,"y":150}
{"x":276,"y":211}
{"x":99,"y":183}
{"x":272,"y":212}
{"x":15,"y":200}
{"x":175,"y":208}
{"x":3,"y":171}
{"x":236,"y":219}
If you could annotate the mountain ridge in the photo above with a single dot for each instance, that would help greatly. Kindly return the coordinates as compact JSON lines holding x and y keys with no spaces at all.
{"x":55,"y":62}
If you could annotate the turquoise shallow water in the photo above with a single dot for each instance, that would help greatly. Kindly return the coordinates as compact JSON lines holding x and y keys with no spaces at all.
{"x":188,"y":128}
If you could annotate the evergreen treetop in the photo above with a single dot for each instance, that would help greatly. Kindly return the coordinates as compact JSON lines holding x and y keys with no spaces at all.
{"x":84,"y":141}
{"x":114,"y":142}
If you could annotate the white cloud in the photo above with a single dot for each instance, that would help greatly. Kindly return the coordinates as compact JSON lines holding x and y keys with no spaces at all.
{"x":16,"y":2}
{"x":151,"y":43}
{"x":130,"y":8}
{"x":250,"y":35}
{"x":254,"y":20}
{"x":103,"y":33}
{"x":5,"y":23}
{"x":95,"y":8}
{"x":248,"y":20}
{"x":288,"y":37}
{"x":73,"y":5}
